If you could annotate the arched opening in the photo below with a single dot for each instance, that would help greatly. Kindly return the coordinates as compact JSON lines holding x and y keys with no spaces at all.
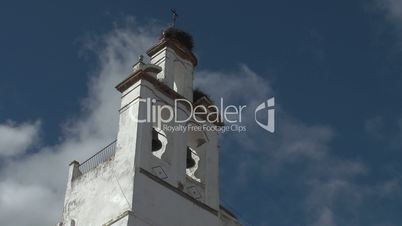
{"x":195,"y":155}
{"x":159,"y":142}
{"x":192,"y":164}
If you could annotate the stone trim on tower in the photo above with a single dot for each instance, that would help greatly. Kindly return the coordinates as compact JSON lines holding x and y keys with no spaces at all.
{"x":180,"y":50}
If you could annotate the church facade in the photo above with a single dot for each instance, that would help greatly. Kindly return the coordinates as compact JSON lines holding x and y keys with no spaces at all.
{"x":150,"y":176}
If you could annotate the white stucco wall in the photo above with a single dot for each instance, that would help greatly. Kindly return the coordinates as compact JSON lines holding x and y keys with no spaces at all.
{"x":177,"y":73}
{"x":95,"y":197}
{"x":118,"y":193}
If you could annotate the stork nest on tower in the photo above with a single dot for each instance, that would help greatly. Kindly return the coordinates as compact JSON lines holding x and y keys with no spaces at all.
{"x":181,"y":36}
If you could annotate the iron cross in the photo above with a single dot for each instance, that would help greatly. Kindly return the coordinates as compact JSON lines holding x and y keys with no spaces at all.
{"x":174,"y":16}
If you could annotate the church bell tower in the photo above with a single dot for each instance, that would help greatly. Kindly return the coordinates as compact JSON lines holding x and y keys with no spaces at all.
{"x":152,"y":175}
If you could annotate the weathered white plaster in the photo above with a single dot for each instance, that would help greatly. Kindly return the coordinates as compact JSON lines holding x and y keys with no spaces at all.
{"x":141,"y":188}
{"x":177,"y":73}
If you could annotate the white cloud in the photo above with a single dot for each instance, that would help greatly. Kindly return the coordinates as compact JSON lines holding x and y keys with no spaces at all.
{"x":241,"y":86}
{"x":32,"y":187}
{"x":392,"y":12}
{"x":325,"y":219}
{"x":302,"y":141}
{"x":29,"y":204}
{"x":16,"y":138}
{"x":393,"y":8}
{"x":325,"y":178}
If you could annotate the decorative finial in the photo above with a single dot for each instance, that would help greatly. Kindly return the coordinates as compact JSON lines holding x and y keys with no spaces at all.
{"x":140,"y":64}
{"x":174,"y":16}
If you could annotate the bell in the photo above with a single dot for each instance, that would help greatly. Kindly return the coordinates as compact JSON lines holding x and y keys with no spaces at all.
{"x":189,"y":161}
{"x":156,"y":143}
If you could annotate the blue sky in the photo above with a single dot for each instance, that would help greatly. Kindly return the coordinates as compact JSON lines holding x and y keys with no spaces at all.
{"x":334,"y":68}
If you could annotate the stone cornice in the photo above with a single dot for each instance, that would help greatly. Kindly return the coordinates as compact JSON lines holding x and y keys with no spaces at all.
{"x":143,"y":74}
{"x":160,"y":86}
{"x":179,"y":192}
{"x":179,"y":49}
